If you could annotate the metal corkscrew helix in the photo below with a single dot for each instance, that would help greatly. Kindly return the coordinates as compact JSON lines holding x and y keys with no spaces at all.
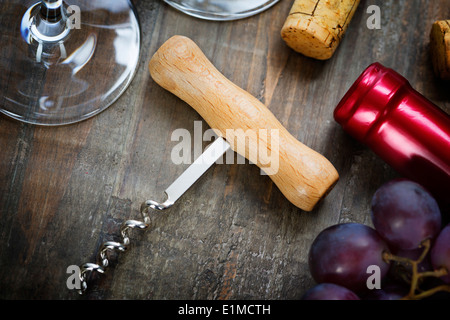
{"x":100,"y":267}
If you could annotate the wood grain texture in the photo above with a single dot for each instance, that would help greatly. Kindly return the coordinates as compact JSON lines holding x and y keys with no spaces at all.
{"x":233,"y":235}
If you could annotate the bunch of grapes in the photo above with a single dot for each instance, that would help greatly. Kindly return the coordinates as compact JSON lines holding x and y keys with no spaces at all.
{"x":406,"y":247}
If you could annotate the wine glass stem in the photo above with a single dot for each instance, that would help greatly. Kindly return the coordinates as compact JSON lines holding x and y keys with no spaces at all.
{"x":51,"y":10}
{"x":50,"y":21}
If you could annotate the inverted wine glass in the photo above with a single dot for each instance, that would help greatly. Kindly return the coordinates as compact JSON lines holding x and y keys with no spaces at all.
{"x":221,"y":10}
{"x":62,"y":62}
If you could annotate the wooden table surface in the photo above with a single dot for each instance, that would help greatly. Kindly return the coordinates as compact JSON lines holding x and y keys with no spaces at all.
{"x":233,"y":235}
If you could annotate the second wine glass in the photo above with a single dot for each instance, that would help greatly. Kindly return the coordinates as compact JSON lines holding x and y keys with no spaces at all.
{"x":221,"y":10}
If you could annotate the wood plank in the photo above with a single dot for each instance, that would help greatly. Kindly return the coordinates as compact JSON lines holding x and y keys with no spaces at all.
{"x":233,"y":235}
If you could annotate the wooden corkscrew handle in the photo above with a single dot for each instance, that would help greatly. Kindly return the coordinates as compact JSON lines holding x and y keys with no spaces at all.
{"x":302,"y":175}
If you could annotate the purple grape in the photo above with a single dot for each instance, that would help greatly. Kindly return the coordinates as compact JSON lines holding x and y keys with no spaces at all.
{"x":405,"y":214}
{"x":440,"y":253}
{"x":389,"y":292}
{"x":329,"y":291}
{"x":341,"y":254}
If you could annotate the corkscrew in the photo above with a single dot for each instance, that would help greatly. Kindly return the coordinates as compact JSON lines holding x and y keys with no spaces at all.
{"x":303,"y":175}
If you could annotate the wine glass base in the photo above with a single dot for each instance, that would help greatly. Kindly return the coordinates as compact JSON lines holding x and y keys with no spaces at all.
{"x":221,"y":10}
{"x":69,"y":77}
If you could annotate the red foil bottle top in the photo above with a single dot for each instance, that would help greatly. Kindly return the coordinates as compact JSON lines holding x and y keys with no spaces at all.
{"x":401,"y":126}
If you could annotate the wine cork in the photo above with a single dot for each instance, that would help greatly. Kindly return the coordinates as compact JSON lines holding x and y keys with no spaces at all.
{"x":440,"y":48}
{"x":316,"y":27}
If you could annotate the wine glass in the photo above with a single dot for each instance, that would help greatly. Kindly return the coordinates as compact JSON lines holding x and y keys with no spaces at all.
{"x":63,"y":61}
{"x":221,"y":10}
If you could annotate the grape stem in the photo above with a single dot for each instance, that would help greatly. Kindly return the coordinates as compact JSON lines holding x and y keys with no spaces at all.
{"x":416,"y":276}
